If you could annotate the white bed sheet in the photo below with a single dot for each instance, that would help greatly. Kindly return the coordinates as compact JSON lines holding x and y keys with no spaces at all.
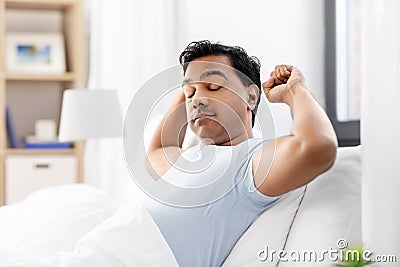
{"x":76,"y":225}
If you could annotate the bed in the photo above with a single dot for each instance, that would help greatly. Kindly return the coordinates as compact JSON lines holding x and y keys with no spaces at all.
{"x":77,"y":225}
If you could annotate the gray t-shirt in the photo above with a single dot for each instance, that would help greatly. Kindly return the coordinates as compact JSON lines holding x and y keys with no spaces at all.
{"x":205,"y":234}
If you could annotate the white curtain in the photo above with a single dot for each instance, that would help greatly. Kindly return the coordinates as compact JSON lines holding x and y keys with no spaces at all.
{"x":130,"y":41}
{"x":380,"y":128}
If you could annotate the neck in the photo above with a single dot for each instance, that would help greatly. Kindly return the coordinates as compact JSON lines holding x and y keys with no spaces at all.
{"x":235,"y":140}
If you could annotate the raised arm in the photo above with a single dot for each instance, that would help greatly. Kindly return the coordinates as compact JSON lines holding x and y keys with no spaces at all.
{"x":292,"y":161}
{"x":168,"y":138}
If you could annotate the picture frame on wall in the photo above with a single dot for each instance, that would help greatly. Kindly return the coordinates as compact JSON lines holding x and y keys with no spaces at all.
{"x":35,"y":52}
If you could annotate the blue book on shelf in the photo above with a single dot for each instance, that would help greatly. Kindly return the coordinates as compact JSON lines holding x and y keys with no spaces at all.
{"x":11,"y":129}
{"x":32,"y":142}
{"x":49,"y":145}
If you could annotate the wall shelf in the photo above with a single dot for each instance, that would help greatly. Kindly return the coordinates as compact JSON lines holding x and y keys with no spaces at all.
{"x":31,"y":96}
{"x":65,"y":77}
{"x":21,"y":151}
{"x":39,"y":4}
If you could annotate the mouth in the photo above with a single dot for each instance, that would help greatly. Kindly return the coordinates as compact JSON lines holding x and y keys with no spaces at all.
{"x":202,"y":116}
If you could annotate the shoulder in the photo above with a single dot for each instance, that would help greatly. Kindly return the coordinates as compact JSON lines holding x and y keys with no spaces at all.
{"x":262,"y":161}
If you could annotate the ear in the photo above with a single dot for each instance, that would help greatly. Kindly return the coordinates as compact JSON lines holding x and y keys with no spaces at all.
{"x":252,"y":96}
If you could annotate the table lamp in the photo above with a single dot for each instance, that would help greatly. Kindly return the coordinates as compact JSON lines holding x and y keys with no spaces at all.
{"x":88,"y":114}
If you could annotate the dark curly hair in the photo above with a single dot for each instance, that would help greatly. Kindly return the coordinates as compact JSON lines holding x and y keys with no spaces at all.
{"x":241,"y":61}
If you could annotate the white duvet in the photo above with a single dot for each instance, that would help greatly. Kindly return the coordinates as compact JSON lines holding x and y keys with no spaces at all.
{"x":77,"y":226}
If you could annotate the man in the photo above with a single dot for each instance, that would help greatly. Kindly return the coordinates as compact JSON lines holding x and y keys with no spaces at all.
{"x":219,"y":99}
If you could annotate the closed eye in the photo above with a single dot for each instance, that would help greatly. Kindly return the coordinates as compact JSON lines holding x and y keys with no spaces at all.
{"x":188,"y":91}
{"x":214,"y":87}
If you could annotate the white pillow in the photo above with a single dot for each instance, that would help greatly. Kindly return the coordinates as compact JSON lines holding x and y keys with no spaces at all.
{"x":53,"y":219}
{"x":330,"y":210}
{"x":270,"y":229}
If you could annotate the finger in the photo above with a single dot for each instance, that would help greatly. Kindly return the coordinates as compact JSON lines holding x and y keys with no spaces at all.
{"x":276,"y":80}
{"x":283,"y":75}
{"x":289,"y":68}
{"x":280,"y":73}
{"x":273,"y":75}
{"x":284,"y":71}
{"x":268,"y":84}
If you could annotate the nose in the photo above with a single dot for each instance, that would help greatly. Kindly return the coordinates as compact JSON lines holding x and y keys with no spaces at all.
{"x":199,"y":99}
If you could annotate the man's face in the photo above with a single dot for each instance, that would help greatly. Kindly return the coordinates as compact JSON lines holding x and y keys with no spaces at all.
{"x":216,"y":100}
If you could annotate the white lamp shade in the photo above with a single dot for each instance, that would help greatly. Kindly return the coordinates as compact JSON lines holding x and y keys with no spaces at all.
{"x":89,"y":114}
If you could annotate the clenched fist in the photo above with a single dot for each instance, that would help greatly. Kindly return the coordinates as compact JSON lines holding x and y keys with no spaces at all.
{"x":280,"y":85}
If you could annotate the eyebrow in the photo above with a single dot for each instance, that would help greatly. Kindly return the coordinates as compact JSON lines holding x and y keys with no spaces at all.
{"x":213,"y":72}
{"x":205,"y":75}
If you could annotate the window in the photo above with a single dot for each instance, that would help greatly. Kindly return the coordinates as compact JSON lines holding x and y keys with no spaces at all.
{"x":343,"y":68}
